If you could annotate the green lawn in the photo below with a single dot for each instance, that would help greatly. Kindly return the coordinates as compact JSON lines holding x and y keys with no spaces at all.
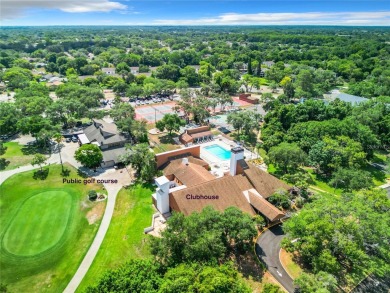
{"x":383,"y":158}
{"x":16,"y":155}
{"x":165,"y":144}
{"x":293,"y":269}
{"x":58,"y":205}
{"x":320,"y":184}
{"x":262,"y":153}
{"x":165,"y":148}
{"x":46,"y":227}
{"x":125,"y":238}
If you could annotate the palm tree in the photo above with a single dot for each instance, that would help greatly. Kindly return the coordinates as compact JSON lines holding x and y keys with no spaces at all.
{"x":58,"y":139}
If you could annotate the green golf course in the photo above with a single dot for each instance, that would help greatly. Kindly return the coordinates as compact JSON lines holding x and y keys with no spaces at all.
{"x":46,"y":227}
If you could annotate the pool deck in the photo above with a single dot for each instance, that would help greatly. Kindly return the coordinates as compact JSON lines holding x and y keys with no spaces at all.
{"x":216,"y":164}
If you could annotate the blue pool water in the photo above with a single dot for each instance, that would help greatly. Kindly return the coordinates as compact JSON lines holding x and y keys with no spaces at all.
{"x":219,"y":152}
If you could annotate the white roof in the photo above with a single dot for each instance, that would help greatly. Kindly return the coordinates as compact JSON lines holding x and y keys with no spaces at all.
{"x":83,"y":139}
{"x":161,"y":180}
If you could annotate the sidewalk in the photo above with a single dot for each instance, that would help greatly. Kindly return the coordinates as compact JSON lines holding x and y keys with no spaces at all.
{"x":93,"y":250}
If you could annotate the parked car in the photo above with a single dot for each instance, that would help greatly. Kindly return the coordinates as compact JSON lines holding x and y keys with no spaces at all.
{"x":68,"y":139}
{"x":75,"y":139}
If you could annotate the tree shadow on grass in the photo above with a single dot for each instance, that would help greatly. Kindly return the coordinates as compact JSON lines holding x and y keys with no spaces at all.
{"x":376,"y":172}
{"x":41,"y":174}
{"x":322,"y":177}
{"x":82,"y":173}
{"x":249,"y":266}
{"x":32,"y":149}
{"x":166,"y":139}
{"x":3,"y":163}
{"x":277,"y":172}
{"x":65,"y":172}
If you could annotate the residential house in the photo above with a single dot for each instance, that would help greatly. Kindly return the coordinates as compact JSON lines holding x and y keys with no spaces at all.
{"x":107,"y":137}
{"x":108,"y":70}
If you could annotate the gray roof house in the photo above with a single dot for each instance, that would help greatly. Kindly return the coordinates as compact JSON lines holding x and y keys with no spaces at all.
{"x":268,"y":63}
{"x":108,"y":70}
{"x":134,"y":70}
{"x":107,"y":137}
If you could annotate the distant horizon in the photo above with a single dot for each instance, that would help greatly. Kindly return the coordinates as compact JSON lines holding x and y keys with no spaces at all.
{"x":346,"y":13}
{"x":196,"y":25}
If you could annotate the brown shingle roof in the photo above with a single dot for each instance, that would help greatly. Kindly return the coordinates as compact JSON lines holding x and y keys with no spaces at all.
{"x":264,"y":207}
{"x":201,"y":134}
{"x":197,"y":130}
{"x":186,"y":138}
{"x":173,"y":164}
{"x":264,"y":183}
{"x":242,"y":182}
{"x":228,"y":191}
{"x":191,"y":174}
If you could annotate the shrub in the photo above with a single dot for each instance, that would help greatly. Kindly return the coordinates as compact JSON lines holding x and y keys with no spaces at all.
{"x":92,"y":195}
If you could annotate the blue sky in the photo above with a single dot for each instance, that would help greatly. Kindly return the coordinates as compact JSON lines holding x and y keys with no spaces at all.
{"x":185,"y":12}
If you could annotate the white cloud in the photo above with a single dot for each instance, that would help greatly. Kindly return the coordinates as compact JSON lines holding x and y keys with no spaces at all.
{"x":15,"y":8}
{"x":305,"y":18}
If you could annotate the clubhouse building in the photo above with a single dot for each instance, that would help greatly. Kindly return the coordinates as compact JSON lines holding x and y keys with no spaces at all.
{"x":188,"y":186}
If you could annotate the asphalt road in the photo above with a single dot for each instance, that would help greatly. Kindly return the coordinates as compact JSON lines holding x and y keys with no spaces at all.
{"x":267,"y":249}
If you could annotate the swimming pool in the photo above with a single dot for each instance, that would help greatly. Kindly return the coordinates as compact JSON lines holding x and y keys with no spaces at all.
{"x":218,"y":151}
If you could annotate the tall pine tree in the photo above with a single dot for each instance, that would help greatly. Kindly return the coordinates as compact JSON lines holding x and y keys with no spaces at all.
{"x":250,"y":66}
{"x":258,"y":69}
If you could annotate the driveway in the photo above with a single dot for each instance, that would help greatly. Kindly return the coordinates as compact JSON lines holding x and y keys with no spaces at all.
{"x":267,"y":249}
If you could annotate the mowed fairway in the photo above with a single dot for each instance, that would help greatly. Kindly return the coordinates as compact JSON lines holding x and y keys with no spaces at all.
{"x":46,"y":227}
{"x":15,"y":156}
{"x":125,"y":238}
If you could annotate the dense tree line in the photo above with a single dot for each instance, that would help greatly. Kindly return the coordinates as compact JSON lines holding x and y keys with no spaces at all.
{"x":314,"y":58}
{"x":192,"y":255}
{"x":147,"y":276}
{"x":337,"y":139}
{"x":342,"y":235}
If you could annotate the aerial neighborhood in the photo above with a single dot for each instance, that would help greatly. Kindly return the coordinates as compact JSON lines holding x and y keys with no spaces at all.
{"x":194,"y":159}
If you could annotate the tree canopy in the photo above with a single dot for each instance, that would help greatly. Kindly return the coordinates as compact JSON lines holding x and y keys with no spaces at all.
{"x":340,"y":235}
{"x":205,"y":237}
{"x":170,"y":122}
{"x":142,"y":159}
{"x":89,"y":155}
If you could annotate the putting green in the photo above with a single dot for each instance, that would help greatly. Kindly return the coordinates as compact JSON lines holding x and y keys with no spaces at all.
{"x":46,"y":229}
{"x":39,"y":223}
